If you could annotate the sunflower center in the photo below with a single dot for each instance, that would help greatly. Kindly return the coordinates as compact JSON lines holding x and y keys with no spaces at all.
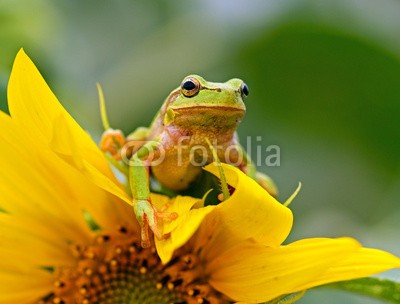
{"x":131,"y":286}
{"x":115,"y":269}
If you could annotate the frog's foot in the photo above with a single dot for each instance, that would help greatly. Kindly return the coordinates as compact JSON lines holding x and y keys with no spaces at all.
{"x":267,"y":183}
{"x":148,"y":217}
{"x":112,"y":142}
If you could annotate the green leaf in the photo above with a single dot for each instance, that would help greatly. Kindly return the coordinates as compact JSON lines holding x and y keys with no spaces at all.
{"x":90,"y":221}
{"x":287,"y":299}
{"x":378,"y":288}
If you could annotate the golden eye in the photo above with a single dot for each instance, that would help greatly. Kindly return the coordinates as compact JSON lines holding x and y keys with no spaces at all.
{"x":190,"y":87}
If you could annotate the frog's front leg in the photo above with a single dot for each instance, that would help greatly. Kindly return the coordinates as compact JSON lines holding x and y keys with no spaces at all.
{"x":139,"y":181}
{"x":248,"y":167}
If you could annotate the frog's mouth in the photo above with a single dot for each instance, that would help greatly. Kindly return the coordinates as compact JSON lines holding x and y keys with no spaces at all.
{"x":214,"y":108}
{"x":221,"y":117}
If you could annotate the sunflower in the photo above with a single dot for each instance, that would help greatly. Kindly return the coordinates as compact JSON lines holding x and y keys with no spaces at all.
{"x":68,"y":237}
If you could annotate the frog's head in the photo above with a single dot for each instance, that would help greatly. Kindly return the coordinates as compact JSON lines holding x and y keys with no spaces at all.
{"x":200,"y":102}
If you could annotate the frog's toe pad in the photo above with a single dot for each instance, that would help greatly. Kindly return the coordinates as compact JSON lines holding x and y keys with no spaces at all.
{"x":112,"y":141}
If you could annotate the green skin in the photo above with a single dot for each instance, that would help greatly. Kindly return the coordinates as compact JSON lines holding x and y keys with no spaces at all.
{"x":194,"y":114}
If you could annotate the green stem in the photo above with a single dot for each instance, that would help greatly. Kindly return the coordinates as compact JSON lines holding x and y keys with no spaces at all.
{"x":103,"y":111}
{"x":224,"y":184}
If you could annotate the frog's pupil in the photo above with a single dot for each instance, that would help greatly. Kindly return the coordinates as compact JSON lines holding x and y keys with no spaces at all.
{"x":245,"y":89}
{"x":189,"y":85}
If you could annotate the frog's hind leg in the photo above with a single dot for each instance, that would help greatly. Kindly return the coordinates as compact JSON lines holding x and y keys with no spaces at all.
{"x":267,"y":183}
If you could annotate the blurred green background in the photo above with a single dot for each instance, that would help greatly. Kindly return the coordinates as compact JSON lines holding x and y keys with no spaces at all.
{"x":324,"y":79}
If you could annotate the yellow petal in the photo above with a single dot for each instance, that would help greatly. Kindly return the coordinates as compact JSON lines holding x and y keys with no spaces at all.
{"x":65,"y":143}
{"x":42,"y":190}
{"x":24,"y":286}
{"x":255,"y":274}
{"x":18,"y":237}
{"x":36,"y":185}
{"x":251,"y":212}
{"x":21,"y":248}
{"x":180,"y":229}
{"x":33,"y":106}
{"x":362,"y":263}
{"x":50,"y":164}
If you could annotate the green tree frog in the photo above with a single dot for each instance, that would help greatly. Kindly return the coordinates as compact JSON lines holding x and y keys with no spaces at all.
{"x":177,"y":144}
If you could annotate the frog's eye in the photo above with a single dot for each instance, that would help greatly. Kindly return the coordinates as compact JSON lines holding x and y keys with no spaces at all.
{"x":244,"y":90}
{"x":190,"y":87}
